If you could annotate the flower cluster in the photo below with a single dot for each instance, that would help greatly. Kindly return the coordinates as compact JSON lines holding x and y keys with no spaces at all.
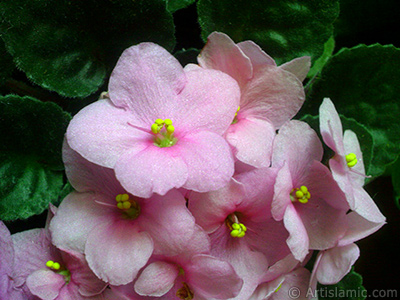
{"x":194,"y":183}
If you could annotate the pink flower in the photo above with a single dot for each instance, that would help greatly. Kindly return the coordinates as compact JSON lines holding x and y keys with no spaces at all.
{"x":307,"y":199}
{"x":270,"y":95}
{"x":347,"y":165}
{"x":117,"y":232}
{"x":162,"y":126}
{"x":50,"y":273}
{"x":242,"y":231}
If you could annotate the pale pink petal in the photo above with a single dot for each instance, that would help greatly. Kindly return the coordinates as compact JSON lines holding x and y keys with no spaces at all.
{"x":6,"y":250}
{"x":366,"y":207}
{"x":282,"y":188}
{"x":273,"y":94}
{"x":77,"y":215}
{"x":209,"y":161}
{"x":123,"y":253}
{"x":154,"y":170}
{"x":101,"y":133}
{"x":221,"y":53}
{"x":209,"y":102}
{"x":168,"y":221}
{"x":298,"y":66}
{"x":257,"y":56}
{"x":45,"y":284}
{"x":281,"y":267}
{"x":298,"y":240}
{"x":145,"y":79}
{"x":297,"y":144}
{"x":331,"y":126}
{"x":267,"y":289}
{"x":156,"y":279}
{"x":252,"y":141}
{"x":212,"y":278}
{"x":359,"y":228}
{"x":212,"y":208}
{"x":336,"y":263}
{"x":341,"y":176}
{"x":295,"y":286}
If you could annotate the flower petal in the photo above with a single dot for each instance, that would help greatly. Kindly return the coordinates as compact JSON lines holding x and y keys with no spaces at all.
{"x":117,"y":251}
{"x":154,"y":170}
{"x":45,"y":284}
{"x":156,"y":279}
{"x":252,"y":141}
{"x":6,"y":251}
{"x":298,"y":66}
{"x":257,"y":56}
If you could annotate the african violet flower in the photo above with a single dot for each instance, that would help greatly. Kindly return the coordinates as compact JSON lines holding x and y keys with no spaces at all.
{"x":242,"y":230}
{"x":49,"y":273}
{"x":306,"y":196}
{"x":117,"y":232}
{"x":270,"y":95}
{"x":162,"y":126}
{"x":347,"y":165}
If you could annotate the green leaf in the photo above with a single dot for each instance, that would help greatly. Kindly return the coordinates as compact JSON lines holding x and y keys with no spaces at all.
{"x":71,"y":46}
{"x":285,"y":29}
{"x":6,"y":63}
{"x":329,"y":46}
{"x":174,"y":5}
{"x":396,"y":181}
{"x":364,"y":83}
{"x":363,"y":135}
{"x":349,"y":288}
{"x":31,"y":134}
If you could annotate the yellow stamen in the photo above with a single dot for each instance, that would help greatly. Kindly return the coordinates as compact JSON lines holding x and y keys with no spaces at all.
{"x":184,"y":293}
{"x":300,"y":194}
{"x":53,"y":265}
{"x":351,"y":160}
{"x":238,"y":230}
{"x":278,"y":288}
{"x":163,"y":138}
{"x":237,"y":111}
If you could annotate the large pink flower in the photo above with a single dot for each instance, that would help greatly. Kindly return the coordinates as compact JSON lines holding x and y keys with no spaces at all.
{"x":117,"y":232}
{"x":347,"y":165}
{"x":306,"y":197}
{"x":270,"y":95}
{"x":162,"y":126}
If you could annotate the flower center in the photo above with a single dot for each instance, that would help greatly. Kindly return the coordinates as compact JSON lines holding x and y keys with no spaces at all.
{"x":235,"y":119}
{"x":351,"y":160}
{"x":301,"y":194}
{"x":237,"y":229}
{"x":163,"y":131}
{"x":184,"y":292}
{"x":59,"y":269}
{"x":129,"y":207}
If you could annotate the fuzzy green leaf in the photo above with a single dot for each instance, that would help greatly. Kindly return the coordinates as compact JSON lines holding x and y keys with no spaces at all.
{"x":285,"y":29}
{"x":6,"y":64}
{"x":349,"y":288}
{"x":31,"y":134}
{"x":71,"y":46}
{"x":364,"y":84}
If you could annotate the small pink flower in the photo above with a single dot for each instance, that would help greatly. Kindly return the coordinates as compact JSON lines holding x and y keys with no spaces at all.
{"x":162,"y":126}
{"x":306,"y":197}
{"x":270,"y":95}
{"x":347,"y":165}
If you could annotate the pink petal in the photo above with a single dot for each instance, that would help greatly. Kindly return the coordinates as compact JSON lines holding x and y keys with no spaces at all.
{"x":298,"y":279}
{"x":6,"y":251}
{"x":156,"y":279}
{"x":168,"y":221}
{"x":209,"y":161}
{"x":145,"y":79}
{"x":359,"y":228}
{"x":117,"y":251}
{"x":252,"y":141}
{"x":331,"y":127}
{"x":45,"y":284}
{"x":272,"y":94}
{"x":212,"y":278}
{"x":298,"y":240}
{"x":336,"y":263}
{"x":77,"y":215}
{"x":282,"y":188}
{"x":267,"y":289}
{"x":257,"y":56}
{"x":351,"y":145}
{"x":366,"y":207}
{"x":298,"y":66}
{"x":340,"y":173}
{"x":297,"y":144}
{"x":154,"y":170}
{"x":101,"y":133}
{"x":221,"y":53}
{"x":209,"y":102}
{"x":212,"y":208}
